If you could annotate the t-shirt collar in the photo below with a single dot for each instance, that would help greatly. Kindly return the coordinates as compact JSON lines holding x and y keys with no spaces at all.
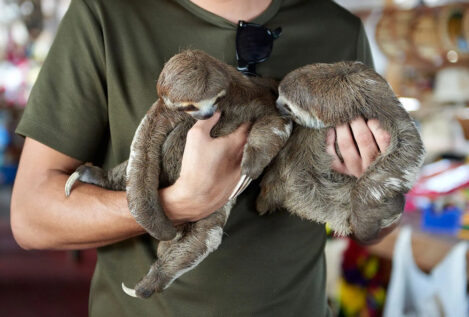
{"x":210,"y":17}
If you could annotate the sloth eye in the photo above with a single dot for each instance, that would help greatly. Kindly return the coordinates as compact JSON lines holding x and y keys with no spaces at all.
{"x":218,"y":100}
{"x":188,"y":108}
{"x":191,"y":108}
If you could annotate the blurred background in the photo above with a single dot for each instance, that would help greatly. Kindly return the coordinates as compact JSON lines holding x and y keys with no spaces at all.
{"x":420,"y":47}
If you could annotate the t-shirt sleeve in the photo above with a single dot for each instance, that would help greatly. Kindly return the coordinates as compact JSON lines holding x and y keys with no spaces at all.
{"x":67,"y":108}
{"x":363,"y":48}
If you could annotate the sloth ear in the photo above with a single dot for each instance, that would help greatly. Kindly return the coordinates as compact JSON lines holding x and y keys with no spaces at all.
{"x":160,"y":83}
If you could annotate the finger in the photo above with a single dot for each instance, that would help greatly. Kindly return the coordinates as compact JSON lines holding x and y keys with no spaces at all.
{"x":243,"y":129}
{"x":336,"y":165}
{"x":382,"y":137}
{"x":207,"y":125}
{"x":239,"y":136}
{"x":366,"y":143}
{"x":348,"y":149}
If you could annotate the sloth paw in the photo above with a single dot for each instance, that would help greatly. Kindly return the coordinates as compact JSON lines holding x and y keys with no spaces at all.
{"x":138,"y":292}
{"x":86,"y":174}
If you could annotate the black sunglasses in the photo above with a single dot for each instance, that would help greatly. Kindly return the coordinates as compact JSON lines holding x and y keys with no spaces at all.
{"x":254,"y":44}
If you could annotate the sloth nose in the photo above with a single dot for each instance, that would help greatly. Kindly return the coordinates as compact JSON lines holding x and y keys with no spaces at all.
{"x":204,"y":116}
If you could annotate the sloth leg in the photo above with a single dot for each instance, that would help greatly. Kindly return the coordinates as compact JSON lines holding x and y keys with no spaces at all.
{"x":272,"y":194}
{"x":182,"y":254}
{"x":111,"y":179}
{"x":267,"y":137}
{"x":366,"y":221}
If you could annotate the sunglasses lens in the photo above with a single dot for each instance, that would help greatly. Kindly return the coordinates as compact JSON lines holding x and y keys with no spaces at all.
{"x":254,"y":44}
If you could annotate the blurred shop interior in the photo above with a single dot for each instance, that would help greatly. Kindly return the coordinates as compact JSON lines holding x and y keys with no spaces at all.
{"x":420,"y":46}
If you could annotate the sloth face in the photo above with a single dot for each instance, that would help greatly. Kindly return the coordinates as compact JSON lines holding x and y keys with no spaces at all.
{"x":193,"y":82}
{"x":299,"y":115}
{"x":199,"y":110}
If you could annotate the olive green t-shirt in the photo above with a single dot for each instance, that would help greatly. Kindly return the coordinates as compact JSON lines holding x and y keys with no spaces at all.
{"x":96,"y":85}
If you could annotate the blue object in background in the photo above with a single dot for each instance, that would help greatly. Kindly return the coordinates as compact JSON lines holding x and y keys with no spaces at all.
{"x":446,"y":221}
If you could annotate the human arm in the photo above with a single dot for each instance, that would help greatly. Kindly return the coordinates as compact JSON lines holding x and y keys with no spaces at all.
{"x":43,"y":218}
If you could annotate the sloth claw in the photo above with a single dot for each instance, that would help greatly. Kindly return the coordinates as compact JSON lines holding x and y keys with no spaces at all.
{"x":237,"y":187}
{"x":70,"y":181}
{"x":245,"y":185}
{"x":244,"y":181}
{"x":129,"y":291}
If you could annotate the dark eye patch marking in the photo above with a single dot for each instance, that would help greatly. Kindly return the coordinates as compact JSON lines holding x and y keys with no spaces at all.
{"x":218,"y":100}
{"x":188,"y":108}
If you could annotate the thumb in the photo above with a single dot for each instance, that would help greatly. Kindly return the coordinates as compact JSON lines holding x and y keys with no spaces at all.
{"x":207,"y":125}
{"x":240,"y":133}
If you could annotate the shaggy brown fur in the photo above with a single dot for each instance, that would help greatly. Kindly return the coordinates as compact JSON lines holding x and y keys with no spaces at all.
{"x":191,"y":85}
{"x":300,"y":178}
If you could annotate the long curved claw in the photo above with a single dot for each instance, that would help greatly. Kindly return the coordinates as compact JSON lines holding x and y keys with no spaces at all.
{"x":129,"y":291}
{"x":70,"y":181}
{"x":241,"y":186}
{"x":245,"y":185}
{"x":237,"y":187}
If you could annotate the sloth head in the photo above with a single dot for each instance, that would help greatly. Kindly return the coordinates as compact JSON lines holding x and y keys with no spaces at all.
{"x":326,"y":95}
{"x":193,"y":82}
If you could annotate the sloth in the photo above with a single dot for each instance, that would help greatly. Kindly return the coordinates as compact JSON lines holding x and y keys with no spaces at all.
{"x":300,"y":179}
{"x":191,"y":86}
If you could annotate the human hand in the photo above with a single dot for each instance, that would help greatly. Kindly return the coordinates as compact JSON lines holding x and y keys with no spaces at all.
{"x":359,"y":143}
{"x":210,"y":170}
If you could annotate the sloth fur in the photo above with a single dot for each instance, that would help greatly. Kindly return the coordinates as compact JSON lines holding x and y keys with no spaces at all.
{"x":300,"y":179}
{"x":192,"y":85}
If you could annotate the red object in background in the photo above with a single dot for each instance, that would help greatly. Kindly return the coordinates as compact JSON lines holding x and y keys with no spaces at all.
{"x":441,"y":178}
{"x":43,"y":283}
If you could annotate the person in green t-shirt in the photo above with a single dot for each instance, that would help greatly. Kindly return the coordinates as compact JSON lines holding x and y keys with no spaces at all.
{"x":93,"y":89}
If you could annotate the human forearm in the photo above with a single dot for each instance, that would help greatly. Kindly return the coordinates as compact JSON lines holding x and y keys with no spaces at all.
{"x":43,"y":218}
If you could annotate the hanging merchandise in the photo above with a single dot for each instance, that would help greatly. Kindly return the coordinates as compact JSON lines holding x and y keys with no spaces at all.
{"x":413,"y":293}
{"x":392,"y":34}
{"x":361,"y":288}
{"x":452,"y":33}
{"x":424,"y":38}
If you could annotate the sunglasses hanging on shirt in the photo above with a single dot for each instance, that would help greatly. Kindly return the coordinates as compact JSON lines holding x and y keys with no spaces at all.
{"x":254,"y":44}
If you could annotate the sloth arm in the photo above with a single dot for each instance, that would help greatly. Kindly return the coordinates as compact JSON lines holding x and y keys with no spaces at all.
{"x":43,"y":218}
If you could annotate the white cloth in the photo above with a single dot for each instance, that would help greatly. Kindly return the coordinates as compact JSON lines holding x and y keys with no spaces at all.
{"x":413,"y":293}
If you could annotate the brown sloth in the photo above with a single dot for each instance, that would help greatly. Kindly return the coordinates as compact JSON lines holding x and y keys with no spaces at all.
{"x":300,"y":179}
{"x":191,"y":86}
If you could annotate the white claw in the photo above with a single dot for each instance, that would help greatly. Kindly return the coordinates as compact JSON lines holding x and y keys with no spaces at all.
{"x":245,"y":185}
{"x":128,"y":291}
{"x":70,"y":181}
{"x":242,"y":185}
{"x":237,"y":187}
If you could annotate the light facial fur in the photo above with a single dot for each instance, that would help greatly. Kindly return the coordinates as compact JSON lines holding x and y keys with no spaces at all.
{"x":192,"y":85}
{"x":300,"y":178}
